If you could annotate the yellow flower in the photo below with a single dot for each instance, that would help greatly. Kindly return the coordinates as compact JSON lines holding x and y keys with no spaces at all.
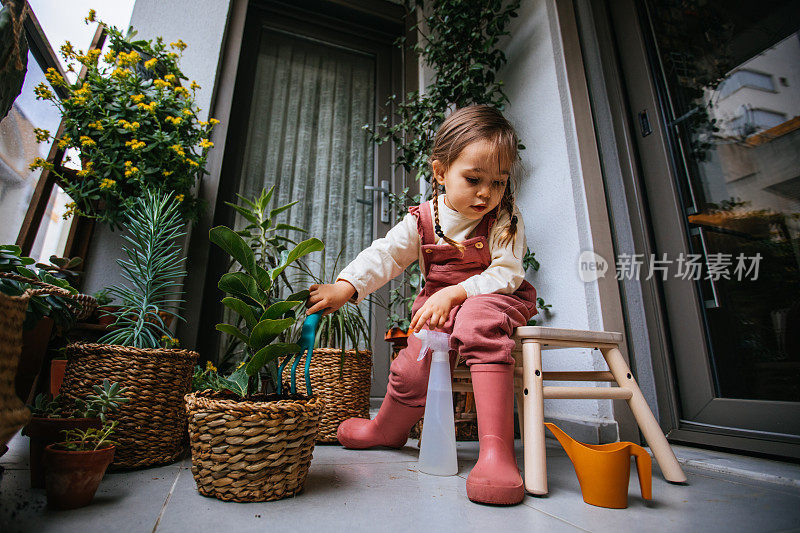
{"x":86,"y":141}
{"x":178,"y":149}
{"x":161,"y":83}
{"x":67,"y":51}
{"x":179,"y":197}
{"x":130,"y":171}
{"x":133,"y":126}
{"x":175,"y":121}
{"x":134,"y":145}
{"x":150,"y":63}
{"x":205,"y":143}
{"x":91,"y":17}
{"x":181,"y":90}
{"x":167,"y":173}
{"x":192,"y":163}
{"x":71,"y":209}
{"x":187,"y":112}
{"x":55,"y":78}
{"x":120,"y":73}
{"x":42,"y":92}
{"x":170,"y":77}
{"x":38,"y":162}
{"x":96,"y":125}
{"x":109,"y":57}
{"x":64,"y":142}
{"x":180,"y":45}
{"x":42,"y":135}
{"x":147,"y":107}
{"x":128,"y":59}
{"x":90,"y":58}
{"x":194,"y":86}
{"x":210,"y":367}
{"x":87,"y":170}
{"x":136,"y":98}
{"x":107,"y":183}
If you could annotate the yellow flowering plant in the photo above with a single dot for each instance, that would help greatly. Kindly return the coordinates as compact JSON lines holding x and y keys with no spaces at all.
{"x":134,"y":125}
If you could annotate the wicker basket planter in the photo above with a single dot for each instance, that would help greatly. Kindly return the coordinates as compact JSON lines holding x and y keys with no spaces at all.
{"x":13,"y":413}
{"x":343,"y":389}
{"x":152,"y":425}
{"x":251,"y":451}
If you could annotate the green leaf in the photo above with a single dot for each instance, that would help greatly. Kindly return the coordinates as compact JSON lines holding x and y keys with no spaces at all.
{"x":302,"y":249}
{"x":290,"y":227}
{"x":246,"y":213}
{"x":281,"y":209}
{"x":236,"y":382}
{"x":232,"y":330}
{"x":278,"y":309}
{"x":231,"y":242}
{"x":301,"y":296}
{"x":244,"y":310}
{"x":267,"y":330}
{"x":240,"y":284}
{"x":267,"y":354}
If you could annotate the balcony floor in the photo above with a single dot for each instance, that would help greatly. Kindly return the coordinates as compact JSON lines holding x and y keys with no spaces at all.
{"x":381,"y":490}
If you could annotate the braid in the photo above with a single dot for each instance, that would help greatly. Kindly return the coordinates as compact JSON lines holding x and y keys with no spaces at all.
{"x":507,"y":203}
{"x":437,"y":228}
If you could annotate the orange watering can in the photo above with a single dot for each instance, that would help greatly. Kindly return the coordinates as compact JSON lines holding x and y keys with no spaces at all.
{"x":604,"y":469}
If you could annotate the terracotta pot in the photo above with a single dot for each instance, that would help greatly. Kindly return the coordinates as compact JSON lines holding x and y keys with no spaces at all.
{"x":46,"y":431}
{"x":57,"y":368}
{"x":73,"y":477}
{"x":34,"y":348}
{"x":105,"y":319}
{"x":397,"y":338}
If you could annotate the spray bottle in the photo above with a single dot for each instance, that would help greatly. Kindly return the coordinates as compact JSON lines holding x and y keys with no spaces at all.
{"x":437,"y":453}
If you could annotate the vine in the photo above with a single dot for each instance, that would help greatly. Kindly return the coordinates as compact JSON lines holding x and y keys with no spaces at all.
{"x":459,"y":43}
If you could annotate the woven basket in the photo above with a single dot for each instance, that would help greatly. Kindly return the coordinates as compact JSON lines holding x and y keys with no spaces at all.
{"x":152,"y":425}
{"x":13,"y":413}
{"x":247,"y":451}
{"x":344,"y":390}
{"x":82,"y":305}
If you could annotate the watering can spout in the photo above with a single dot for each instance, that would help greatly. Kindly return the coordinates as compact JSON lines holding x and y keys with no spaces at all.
{"x":603,"y":470}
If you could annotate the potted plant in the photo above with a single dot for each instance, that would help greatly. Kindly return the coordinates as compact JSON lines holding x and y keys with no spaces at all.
{"x":134,"y":125}
{"x":247,"y":445}
{"x":152,"y":426}
{"x":76,"y":465}
{"x":105,"y":311}
{"x":51,"y":416}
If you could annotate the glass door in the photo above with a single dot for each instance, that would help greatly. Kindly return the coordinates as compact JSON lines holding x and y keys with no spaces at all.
{"x":721,"y":168}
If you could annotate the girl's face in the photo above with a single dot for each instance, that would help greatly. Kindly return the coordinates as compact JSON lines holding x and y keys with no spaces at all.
{"x":474,"y":184}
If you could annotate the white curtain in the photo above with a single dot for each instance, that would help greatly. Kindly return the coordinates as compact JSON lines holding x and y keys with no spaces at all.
{"x":309,"y":105}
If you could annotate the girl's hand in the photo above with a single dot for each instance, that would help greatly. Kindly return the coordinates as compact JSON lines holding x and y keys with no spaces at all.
{"x":436,"y":309}
{"x":329,"y":297}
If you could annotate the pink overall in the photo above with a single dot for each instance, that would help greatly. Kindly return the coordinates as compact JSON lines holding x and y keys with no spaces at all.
{"x":480,"y":328}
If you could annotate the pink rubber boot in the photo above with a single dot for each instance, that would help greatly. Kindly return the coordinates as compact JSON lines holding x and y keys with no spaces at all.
{"x":495,"y":478}
{"x":390,"y":427}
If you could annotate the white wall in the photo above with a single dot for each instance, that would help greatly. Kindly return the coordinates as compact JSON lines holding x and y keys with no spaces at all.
{"x":551,"y":196}
{"x":201,"y":25}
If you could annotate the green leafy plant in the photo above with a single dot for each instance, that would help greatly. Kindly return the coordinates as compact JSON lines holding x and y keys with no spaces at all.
{"x":60,"y":309}
{"x":135,"y":126}
{"x":91,"y":439}
{"x":103,"y":297}
{"x":63,"y":267}
{"x":268,"y":240}
{"x":106,"y":399}
{"x":153,"y":270}
{"x":264,"y":317}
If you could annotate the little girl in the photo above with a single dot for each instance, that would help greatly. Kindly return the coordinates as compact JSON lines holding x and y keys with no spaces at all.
{"x":469,"y":242}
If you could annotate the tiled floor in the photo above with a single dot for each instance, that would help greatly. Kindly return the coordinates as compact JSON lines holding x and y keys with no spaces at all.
{"x":381,"y":490}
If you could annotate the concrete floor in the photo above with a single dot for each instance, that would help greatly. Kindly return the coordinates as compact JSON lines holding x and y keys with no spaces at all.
{"x":381,"y":490}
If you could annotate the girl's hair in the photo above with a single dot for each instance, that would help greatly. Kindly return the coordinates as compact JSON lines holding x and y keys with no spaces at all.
{"x":463,"y":127}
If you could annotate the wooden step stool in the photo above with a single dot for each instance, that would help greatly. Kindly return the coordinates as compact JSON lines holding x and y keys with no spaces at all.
{"x":531,"y":392}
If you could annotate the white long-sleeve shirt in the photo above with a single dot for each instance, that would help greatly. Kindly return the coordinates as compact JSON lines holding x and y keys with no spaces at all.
{"x":387,"y":257}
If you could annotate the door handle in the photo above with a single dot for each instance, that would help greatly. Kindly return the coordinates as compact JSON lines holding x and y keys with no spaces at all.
{"x":385,"y":191}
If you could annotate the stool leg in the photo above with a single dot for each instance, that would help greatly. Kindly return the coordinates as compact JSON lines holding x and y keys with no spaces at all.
{"x":521,"y":414}
{"x":644,"y":417}
{"x":533,"y":413}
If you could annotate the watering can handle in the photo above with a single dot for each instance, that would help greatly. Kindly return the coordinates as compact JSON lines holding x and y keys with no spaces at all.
{"x":644,"y":467}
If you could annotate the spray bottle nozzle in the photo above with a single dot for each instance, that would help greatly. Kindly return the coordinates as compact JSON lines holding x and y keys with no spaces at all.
{"x":438,"y":341}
